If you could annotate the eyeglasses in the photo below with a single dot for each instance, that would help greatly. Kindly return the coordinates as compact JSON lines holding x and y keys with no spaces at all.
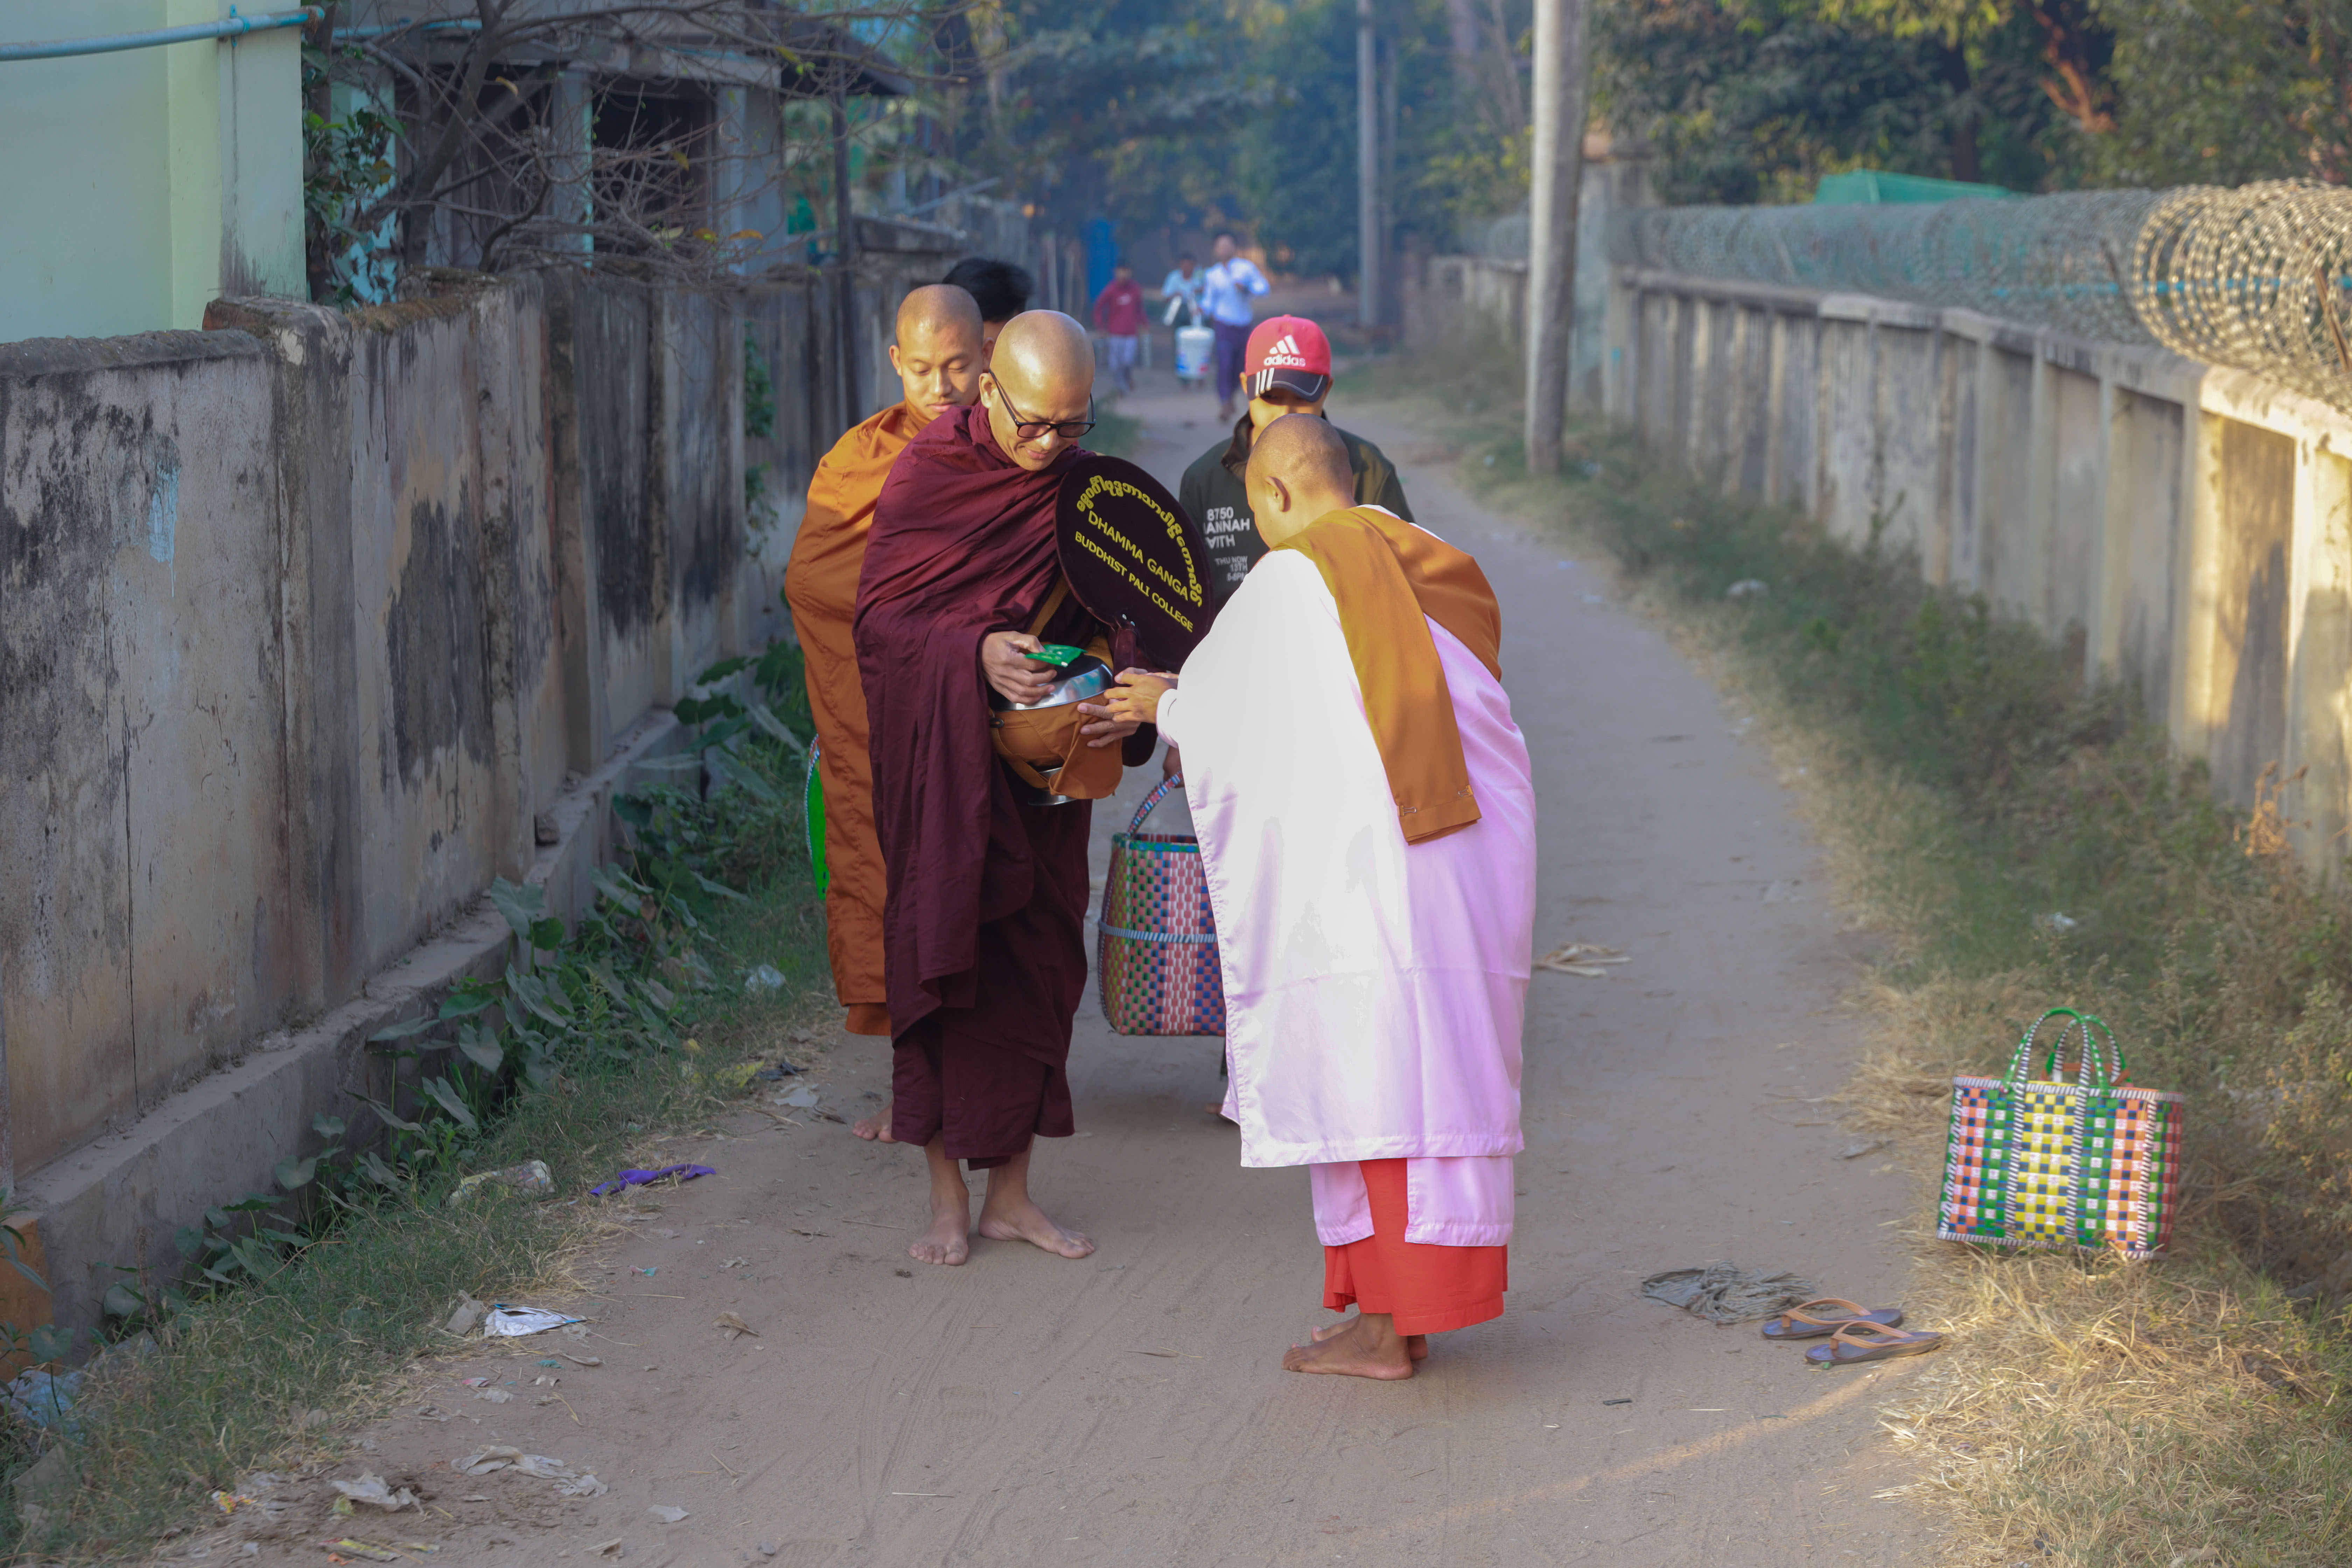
{"x":1030,"y":429}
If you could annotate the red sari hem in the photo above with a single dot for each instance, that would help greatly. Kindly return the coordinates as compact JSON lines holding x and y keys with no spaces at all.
{"x":1429,"y":1290}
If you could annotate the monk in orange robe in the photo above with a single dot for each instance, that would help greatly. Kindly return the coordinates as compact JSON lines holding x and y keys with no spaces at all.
{"x":938,"y":358}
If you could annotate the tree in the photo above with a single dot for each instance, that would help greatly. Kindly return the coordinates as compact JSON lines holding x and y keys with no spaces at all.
{"x":2224,"y":91}
{"x":1754,"y":100}
{"x":1449,"y":154}
{"x":1121,"y":109}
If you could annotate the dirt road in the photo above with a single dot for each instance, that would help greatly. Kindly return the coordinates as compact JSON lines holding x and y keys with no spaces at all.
{"x":1130,"y":1407}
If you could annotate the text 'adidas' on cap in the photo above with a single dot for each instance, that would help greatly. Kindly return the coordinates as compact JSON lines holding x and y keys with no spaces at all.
{"x":1288,"y":351}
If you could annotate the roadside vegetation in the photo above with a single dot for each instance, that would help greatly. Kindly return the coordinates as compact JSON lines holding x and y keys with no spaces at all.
{"x":301,"y":1309}
{"x":2016,"y":837}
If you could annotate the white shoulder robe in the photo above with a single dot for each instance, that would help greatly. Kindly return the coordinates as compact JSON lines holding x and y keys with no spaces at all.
{"x":1374,"y":991}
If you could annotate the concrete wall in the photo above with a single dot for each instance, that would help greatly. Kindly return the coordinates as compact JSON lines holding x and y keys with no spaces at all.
{"x":305,"y":622}
{"x":143,"y":185}
{"x":2189,"y":528}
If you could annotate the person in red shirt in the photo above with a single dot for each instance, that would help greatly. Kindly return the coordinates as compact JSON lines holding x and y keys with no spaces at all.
{"x":1118,"y":316}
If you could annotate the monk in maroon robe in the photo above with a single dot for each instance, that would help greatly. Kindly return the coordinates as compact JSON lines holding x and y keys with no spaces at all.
{"x":983,"y":925}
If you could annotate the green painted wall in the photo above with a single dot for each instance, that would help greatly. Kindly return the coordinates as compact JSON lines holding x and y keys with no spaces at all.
{"x":141,"y":186}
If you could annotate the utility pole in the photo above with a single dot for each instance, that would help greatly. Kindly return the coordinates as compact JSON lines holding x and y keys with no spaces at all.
{"x":1368,"y":169}
{"x":1551,"y":229}
{"x":845,"y":248}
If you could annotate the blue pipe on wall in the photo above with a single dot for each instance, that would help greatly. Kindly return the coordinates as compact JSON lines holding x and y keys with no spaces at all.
{"x":384,"y":30}
{"x":231,"y":26}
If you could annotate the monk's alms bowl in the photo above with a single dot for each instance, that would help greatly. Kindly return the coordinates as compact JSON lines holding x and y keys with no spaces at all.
{"x":1044,"y":744}
{"x":1083,"y":681}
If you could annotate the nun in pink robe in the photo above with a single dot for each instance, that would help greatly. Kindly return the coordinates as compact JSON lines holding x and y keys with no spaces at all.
{"x":1375,"y":985}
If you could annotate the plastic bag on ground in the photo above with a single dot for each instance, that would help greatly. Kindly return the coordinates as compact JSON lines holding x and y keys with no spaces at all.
{"x":376,"y":1492}
{"x":44,"y":1401}
{"x":532,"y":1178}
{"x":510,"y":1322}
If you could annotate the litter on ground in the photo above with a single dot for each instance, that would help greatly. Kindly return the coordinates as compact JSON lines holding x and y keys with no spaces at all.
{"x":640,"y":1178}
{"x":376,"y":1492}
{"x":666,"y":1513}
{"x":512,"y":1322}
{"x":531,"y":1177}
{"x":1582,"y":958}
{"x":1724,"y":1293}
{"x":391,"y":1551}
{"x":42,"y":1400}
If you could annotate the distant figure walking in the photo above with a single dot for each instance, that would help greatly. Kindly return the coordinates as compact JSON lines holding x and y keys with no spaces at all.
{"x":1226,"y":289}
{"x":1181,"y":290}
{"x":1118,"y":316}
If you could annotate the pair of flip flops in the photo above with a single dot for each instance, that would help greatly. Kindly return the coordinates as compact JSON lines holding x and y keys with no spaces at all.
{"x":1856,"y":1332}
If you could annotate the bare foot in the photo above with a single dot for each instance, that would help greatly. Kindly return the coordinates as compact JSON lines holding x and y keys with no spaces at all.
{"x":1020,"y":1220}
{"x":1415,"y":1345}
{"x":946,"y":1241}
{"x":1366,"y":1345}
{"x":876,"y":1129}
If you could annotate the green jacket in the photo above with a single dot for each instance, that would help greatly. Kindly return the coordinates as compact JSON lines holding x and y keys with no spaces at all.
{"x":1213,"y":494}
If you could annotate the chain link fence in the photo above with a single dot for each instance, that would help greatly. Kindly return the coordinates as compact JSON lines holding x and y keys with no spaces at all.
{"x":2254,"y":278}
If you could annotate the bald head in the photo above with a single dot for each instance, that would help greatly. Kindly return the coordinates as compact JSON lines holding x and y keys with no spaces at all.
{"x":938,"y":309}
{"x":1299,"y":471}
{"x":1043,"y":354}
{"x":1304,"y":451}
{"x":1041,"y":376}
{"x":938,"y":355}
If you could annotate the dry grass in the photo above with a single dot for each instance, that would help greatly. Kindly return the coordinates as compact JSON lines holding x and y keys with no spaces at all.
{"x":2091,"y":1411}
{"x":2110,"y":1414}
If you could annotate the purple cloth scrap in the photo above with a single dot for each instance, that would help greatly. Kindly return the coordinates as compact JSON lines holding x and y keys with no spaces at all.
{"x":640,"y":1178}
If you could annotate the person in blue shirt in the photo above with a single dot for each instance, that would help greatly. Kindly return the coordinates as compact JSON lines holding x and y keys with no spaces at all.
{"x":1181,"y":290}
{"x":1226,"y":289}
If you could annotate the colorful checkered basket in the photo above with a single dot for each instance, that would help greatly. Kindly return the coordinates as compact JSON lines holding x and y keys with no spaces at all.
{"x":1158,"y":960}
{"x":2092,"y":1164}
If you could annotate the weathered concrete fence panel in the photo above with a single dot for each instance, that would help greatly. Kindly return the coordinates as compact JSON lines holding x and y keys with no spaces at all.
{"x":142,"y":726}
{"x":311,"y":625}
{"x":2189,"y":528}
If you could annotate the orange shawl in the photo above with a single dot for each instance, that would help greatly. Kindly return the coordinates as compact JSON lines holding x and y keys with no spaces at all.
{"x":820,"y":587}
{"x":1387,"y":575}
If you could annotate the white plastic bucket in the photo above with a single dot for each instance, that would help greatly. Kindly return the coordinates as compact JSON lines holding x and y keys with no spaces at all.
{"x":1196,"y":348}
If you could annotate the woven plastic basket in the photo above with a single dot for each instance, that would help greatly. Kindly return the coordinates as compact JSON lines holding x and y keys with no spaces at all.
{"x":2093,"y":1164}
{"x":1157,"y":963}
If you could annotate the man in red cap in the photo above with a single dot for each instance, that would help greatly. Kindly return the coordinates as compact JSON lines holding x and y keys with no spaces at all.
{"x":1286,"y":370}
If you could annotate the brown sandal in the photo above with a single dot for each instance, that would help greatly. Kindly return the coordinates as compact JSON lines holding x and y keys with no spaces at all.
{"x":1802,"y":1322}
{"x":1868,"y":1341}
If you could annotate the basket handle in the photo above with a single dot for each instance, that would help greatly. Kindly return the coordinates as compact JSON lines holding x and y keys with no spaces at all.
{"x":1159,"y":794}
{"x":2092,"y":1071}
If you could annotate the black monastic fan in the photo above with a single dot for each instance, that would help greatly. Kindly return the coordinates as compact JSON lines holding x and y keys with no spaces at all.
{"x":1135,"y":559}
